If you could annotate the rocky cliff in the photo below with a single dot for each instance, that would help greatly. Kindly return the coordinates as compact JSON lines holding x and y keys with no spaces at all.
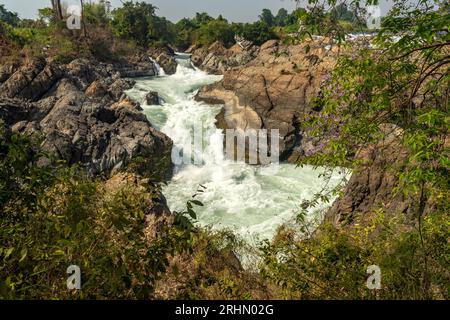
{"x":272,"y":90}
{"x":84,"y":115}
{"x":372,"y":184}
{"x":217,"y":59}
{"x":165,"y":57}
{"x":275,"y":90}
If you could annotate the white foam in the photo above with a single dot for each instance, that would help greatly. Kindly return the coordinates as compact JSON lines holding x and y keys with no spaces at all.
{"x":253,"y":201}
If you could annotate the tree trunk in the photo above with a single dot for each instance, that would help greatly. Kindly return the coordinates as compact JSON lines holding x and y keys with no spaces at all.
{"x":57,"y":9}
{"x":83,"y":25}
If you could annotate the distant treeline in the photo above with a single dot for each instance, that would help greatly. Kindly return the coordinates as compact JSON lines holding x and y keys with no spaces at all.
{"x":138,"y":22}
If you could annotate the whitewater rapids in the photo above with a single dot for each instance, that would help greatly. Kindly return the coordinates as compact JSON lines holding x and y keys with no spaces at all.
{"x":249,"y":200}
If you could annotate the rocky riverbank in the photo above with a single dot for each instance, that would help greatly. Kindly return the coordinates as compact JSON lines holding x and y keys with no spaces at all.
{"x":270,"y":87}
{"x":84,"y":116}
{"x":273,"y":87}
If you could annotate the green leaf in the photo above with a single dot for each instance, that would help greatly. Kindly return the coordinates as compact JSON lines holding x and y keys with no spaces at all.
{"x":192,"y":214}
{"x":197,"y":203}
{"x":23,"y":254}
{"x":8,"y":252}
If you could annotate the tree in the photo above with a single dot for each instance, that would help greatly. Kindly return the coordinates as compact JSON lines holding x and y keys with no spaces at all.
{"x":8,"y":17}
{"x":57,"y":9}
{"x":135,"y":21}
{"x":202,"y":18}
{"x":341,"y":12}
{"x":258,"y":32}
{"x":46,"y":15}
{"x":215,"y":30}
{"x":282,"y":18}
{"x":267,"y":17}
{"x":184,"y":30}
{"x":96,"y":14}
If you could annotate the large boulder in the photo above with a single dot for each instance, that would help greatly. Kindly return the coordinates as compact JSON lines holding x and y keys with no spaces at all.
{"x":165,"y":57}
{"x":217,"y":59}
{"x":85,"y":117}
{"x":152,"y":98}
{"x":278,"y":86}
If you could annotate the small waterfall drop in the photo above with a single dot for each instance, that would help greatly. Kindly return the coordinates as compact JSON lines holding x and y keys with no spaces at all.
{"x":250,"y":200}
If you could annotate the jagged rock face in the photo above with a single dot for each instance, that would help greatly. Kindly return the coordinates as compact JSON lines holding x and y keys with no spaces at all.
{"x":165,"y":57}
{"x":372,"y":183}
{"x":217,"y":59}
{"x":278,"y":85}
{"x":152,"y":98}
{"x":139,"y":65}
{"x":85,"y":116}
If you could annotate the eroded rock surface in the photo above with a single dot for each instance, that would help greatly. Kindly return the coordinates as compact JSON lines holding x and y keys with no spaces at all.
{"x":217,"y":59}
{"x":165,"y":57}
{"x":85,"y":116}
{"x":372,"y":184}
{"x":277,"y":86}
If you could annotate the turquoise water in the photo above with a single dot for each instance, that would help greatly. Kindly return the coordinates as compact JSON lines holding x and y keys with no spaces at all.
{"x":252,"y":201}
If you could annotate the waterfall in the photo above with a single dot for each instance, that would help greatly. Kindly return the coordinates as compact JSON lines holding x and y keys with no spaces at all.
{"x":250,"y":200}
{"x":159,"y":70}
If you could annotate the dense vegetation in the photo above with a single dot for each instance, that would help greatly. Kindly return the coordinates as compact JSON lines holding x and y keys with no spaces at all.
{"x":51,"y":217}
{"x":402,"y":85}
{"x":110,"y":35}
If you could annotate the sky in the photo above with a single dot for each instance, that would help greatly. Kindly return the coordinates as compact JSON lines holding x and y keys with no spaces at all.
{"x":174,"y":10}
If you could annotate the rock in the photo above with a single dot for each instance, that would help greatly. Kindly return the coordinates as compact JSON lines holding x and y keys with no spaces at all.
{"x":96,"y":89}
{"x":84,"y":116}
{"x":7,"y":70}
{"x":152,"y":98}
{"x":32,"y":81}
{"x":243,"y":43}
{"x":217,"y":59}
{"x":165,"y":57}
{"x":372,"y":183}
{"x":278,"y":85}
{"x":139,"y":65}
{"x":236,"y":114}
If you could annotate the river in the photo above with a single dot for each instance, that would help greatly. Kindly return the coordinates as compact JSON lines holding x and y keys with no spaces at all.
{"x":250,"y":200}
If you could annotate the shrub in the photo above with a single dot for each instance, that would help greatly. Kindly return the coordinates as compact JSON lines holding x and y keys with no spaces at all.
{"x":55,"y":217}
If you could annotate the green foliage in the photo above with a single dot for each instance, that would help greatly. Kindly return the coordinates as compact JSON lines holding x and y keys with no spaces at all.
{"x":258,"y":32}
{"x":332,"y":265}
{"x":55,"y":217}
{"x":283,"y":18}
{"x":95,"y":14}
{"x":267,"y":17}
{"x":8,"y":17}
{"x":215,"y":30}
{"x":139,"y":22}
{"x":329,"y":18}
{"x":205,"y":30}
{"x":212,"y":270}
{"x":185,"y":32}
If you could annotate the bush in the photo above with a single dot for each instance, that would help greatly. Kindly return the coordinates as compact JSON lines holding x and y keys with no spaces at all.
{"x":258,"y":32}
{"x":333,"y":264}
{"x":215,"y":30}
{"x":55,"y":217}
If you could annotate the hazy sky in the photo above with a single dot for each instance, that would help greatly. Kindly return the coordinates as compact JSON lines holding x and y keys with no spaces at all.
{"x":233,"y":10}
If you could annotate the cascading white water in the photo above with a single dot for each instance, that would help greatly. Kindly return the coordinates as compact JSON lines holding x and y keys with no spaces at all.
{"x":252,"y":201}
{"x":159,"y":71}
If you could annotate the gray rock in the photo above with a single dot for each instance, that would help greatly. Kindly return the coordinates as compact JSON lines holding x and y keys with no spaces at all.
{"x":152,"y":98}
{"x":165,"y":57}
